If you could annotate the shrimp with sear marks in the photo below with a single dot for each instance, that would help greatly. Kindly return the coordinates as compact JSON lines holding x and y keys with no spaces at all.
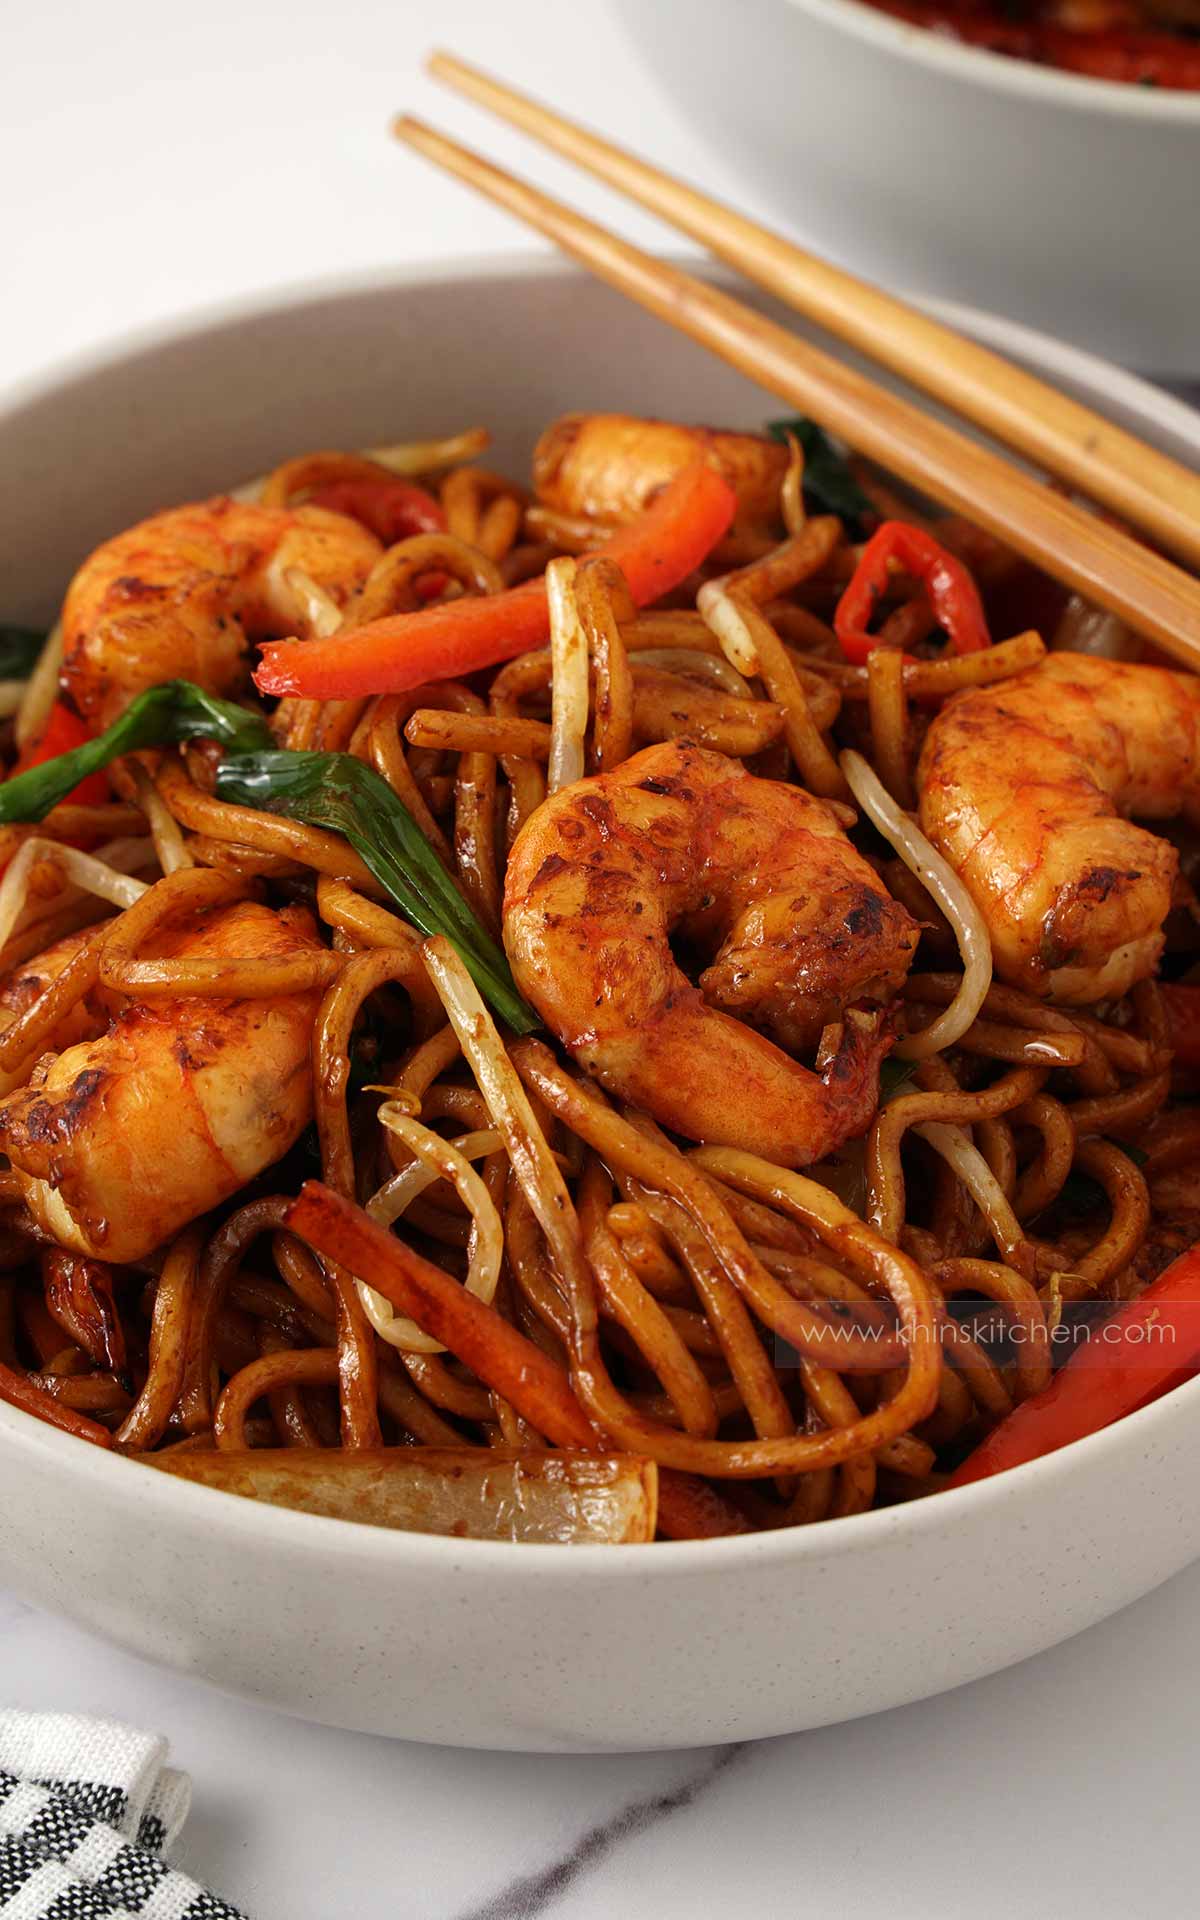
{"x":607,"y":467}
{"x":180,"y":596}
{"x":86,"y":1019}
{"x":122,"y":1139}
{"x":810,"y":947}
{"x":1025,"y":787}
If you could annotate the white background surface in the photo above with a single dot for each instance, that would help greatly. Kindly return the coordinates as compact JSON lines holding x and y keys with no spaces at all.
{"x":155,"y":157}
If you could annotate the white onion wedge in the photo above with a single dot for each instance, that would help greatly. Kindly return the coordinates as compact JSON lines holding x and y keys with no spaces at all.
{"x":476,"y":1493}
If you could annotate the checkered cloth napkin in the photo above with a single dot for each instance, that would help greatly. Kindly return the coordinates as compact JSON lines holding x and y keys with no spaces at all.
{"x":88,"y":1811}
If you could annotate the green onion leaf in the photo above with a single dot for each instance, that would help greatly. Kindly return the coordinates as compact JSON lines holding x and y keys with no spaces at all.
{"x":19,"y":650}
{"x":330,"y":790}
{"x":343,"y":795}
{"x":829,"y":485}
{"x":160,"y":717}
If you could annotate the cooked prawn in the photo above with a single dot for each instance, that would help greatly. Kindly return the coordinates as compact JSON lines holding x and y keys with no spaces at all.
{"x":1024,"y":787}
{"x":86,"y":1020}
{"x":180,"y":595}
{"x":607,"y":466}
{"x":810,"y":946}
{"x":119,"y":1141}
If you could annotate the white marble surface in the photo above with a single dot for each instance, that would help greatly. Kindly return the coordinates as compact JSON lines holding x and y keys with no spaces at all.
{"x":157,"y":157}
{"x":1063,"y":1787}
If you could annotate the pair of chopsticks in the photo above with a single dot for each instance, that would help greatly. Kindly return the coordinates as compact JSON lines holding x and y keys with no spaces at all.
{"x":1145,"y":487}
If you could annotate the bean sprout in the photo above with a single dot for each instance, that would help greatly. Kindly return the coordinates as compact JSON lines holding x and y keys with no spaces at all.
{"x":435,"y":1159}
{"x":82,"y":870}
{"x":164,"y":828}
{"x":569,"y":682}
{"x":955,"y":1146}
{"x":940,"y":880}
{"x":40,"y":689}
{"x":534,"y":1165}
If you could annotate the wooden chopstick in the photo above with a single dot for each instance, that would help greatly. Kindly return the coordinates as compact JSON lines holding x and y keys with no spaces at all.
{"x":1111,"y":466}
{"x":1154,"y":597}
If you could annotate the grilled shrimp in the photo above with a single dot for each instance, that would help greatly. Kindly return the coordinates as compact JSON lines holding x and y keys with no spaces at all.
{"x":682,"y":841}
{"x":85,"y":1021}
{"x":119,"y":1141}
{"x":606,"y":466}
{"x":179,"y":596}
{"x":1024,"y":787}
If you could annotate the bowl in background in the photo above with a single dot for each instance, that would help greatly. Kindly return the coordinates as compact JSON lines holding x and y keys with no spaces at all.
{"x":1068,"y":203}
{"x":466,"y":1642}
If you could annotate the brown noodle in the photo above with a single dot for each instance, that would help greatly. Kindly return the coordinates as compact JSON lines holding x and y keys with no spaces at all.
{"x":784,"y":1354}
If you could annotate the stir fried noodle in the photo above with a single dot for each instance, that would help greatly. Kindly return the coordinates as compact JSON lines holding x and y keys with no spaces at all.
{"x":653,"y":969}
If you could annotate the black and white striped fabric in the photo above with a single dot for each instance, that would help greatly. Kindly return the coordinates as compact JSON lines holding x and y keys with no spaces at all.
{"x":89,"y":1810}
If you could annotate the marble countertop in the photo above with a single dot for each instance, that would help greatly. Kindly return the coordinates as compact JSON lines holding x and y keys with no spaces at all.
{"x":166,"y":157}
{"x":1064,"y":1786}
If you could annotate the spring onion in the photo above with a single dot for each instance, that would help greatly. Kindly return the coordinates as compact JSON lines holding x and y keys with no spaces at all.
{"x":330,"y":790}
{"x":19,"y":650}
{"x":160,"y":717}
{"x":335,"y":791}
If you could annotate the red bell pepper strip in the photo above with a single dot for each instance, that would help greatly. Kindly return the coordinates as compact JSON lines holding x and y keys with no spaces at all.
{"x":657,"y":551}
{"x":1181,"y":1005}
{"x":390,"y":509}
{"x":951,"y":591}
{"x":1147,"y":1347}
{"x":497,"y":1352}
{"x":537,"y":1386}
{"x":24,"y":1393}
{"x":62,"y":731}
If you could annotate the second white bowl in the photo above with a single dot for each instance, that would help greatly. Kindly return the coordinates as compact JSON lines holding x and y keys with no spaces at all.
{"x":1071,"y":204}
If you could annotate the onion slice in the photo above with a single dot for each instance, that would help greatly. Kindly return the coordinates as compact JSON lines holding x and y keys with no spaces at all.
{"x":472,"y":1493}
{"x":723,"y":617}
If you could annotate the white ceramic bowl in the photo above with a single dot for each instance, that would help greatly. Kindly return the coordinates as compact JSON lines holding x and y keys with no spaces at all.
{"x":483,"y":1645}
{"x":1070,"y":203}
